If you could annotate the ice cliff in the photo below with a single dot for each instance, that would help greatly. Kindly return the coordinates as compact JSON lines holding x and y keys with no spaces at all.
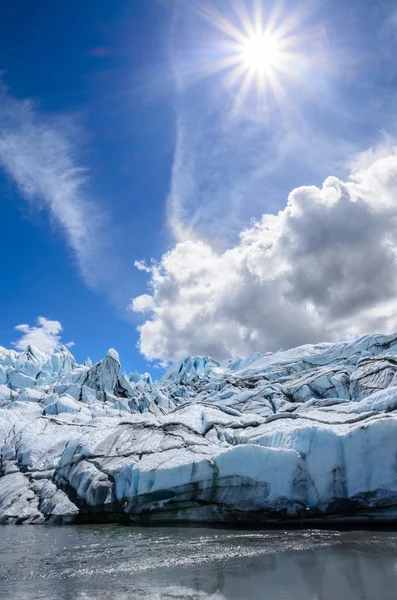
{"x":301,"y":435}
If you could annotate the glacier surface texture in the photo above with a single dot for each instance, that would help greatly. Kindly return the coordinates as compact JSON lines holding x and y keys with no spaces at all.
{"x":304,"y":435}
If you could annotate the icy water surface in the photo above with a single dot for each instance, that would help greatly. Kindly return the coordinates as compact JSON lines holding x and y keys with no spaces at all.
{"x":169,"y":563}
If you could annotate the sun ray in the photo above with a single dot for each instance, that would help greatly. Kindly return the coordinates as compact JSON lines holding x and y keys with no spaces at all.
{"x":243,"y":91}
{"x":219,"y":21}
{"x":246,"y":21}
{"x":258,"y":47}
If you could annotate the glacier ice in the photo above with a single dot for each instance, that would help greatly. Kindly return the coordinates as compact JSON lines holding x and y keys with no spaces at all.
{"x":307,"y":435}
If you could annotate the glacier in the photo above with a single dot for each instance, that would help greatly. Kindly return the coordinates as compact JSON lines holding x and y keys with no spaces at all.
{"x":307,"y":435}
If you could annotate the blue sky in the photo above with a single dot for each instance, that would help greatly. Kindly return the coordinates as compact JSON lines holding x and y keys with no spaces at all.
{"x":125,"y":139}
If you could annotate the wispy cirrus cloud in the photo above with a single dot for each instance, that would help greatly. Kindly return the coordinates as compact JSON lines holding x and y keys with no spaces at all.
{"x":39,"y":154}
{"x":233,"y":146}
{"x":237,"y":150}
{"x":320,"y":266}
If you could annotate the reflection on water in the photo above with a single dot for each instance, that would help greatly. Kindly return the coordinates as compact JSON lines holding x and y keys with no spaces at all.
{"x":164,"y":563}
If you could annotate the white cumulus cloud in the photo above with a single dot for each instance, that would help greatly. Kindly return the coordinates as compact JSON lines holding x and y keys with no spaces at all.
{"x":46,"y":336}
{"x":321,"y":269}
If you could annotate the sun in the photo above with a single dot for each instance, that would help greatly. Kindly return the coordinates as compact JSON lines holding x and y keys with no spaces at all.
{"x":261,"y":53}
{"x":260,"y":60}
{"x":258,"y":51}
